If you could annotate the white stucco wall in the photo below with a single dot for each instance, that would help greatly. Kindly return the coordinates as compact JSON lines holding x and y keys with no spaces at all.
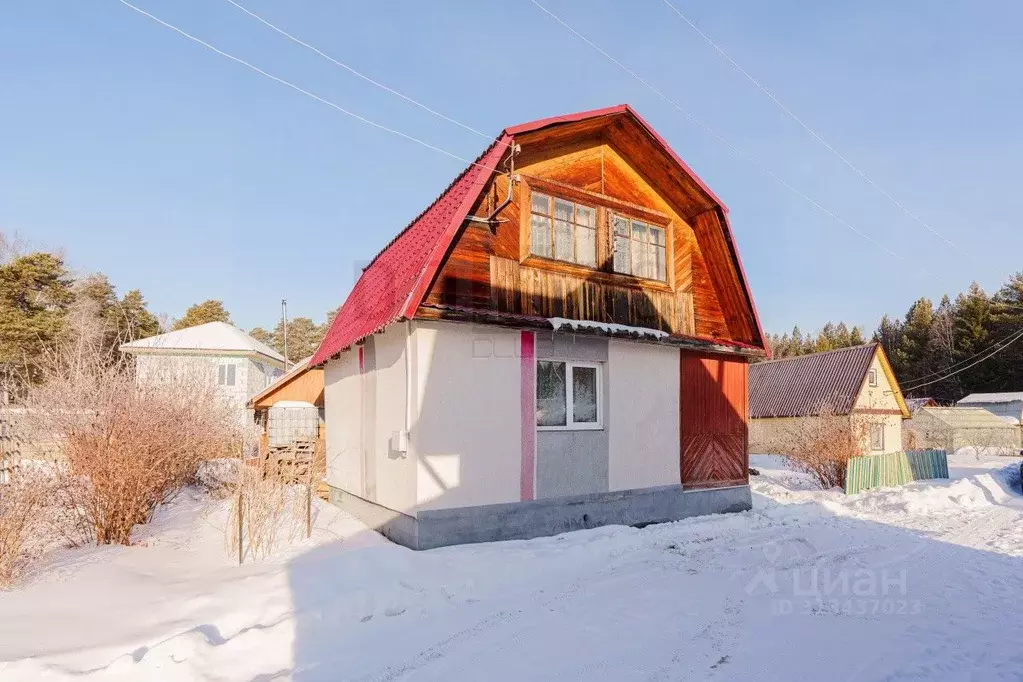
{"x":643,"y":415}
{"x":342,"y":394}
{"x":251,"y":375}
{"x":394,"y":472}
{"x":466,"y":432}
{"x":201,"y":368}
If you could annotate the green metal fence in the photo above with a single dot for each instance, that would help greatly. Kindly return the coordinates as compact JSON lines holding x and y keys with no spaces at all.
{"x":897,"y":468}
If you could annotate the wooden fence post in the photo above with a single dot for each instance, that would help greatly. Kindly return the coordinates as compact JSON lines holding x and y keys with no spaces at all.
{"x":309,"y":509}
{"x":240,"y":535}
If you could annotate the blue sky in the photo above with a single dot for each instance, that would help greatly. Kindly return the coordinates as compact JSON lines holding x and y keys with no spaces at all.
{"x":173,"y":170}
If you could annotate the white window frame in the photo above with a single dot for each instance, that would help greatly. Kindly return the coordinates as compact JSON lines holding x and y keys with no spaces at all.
{"x":223,"y":373}
{"x":570,"y":424}
{"x":870,"y":435}
{"x":552,"y":200}
{"x":872,"y":378}
{"x":633,"y":242}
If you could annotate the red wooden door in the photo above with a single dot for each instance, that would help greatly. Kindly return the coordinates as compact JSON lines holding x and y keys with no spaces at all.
{"x":714,"y":421}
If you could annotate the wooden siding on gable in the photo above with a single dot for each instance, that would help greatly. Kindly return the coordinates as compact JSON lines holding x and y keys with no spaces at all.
{"x":544,"y":293}
{"x":306,"y":385}
{"x":489,"y":268}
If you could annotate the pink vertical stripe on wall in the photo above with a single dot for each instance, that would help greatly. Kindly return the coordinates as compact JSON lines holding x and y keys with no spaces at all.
{"x":528,"y":384}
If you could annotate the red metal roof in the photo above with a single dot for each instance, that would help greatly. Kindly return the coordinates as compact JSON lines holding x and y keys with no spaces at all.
{"x":802,"y":386}
{"x":393,"y":285}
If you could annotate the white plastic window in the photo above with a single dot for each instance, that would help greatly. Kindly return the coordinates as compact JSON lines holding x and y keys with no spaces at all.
{"x":568,"y":395}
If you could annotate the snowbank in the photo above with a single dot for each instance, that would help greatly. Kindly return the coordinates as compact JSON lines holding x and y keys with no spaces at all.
{"x":914,"y":583}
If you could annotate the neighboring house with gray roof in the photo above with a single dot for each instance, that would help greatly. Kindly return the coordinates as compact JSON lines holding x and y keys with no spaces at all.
{"x":854,"y":386}
{"x":240,"y":365}
{"x":1008,"y":406}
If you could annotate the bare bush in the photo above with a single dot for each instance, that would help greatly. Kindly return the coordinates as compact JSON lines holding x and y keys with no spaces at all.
{"x":126,"y":446}
{"x":822,"y":446}
{"x":22,"y":500}
{"x":267,"y":510}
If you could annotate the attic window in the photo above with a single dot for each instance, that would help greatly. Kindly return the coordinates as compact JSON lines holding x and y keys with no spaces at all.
{"x":563,"y":230}
{"x":639,"y":248}
{"x":872,"y":380}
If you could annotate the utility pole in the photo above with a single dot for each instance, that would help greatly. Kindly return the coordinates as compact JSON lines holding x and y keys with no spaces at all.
{"x":284,"y":314}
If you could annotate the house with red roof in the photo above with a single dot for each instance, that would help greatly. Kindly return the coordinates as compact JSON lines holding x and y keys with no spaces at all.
{"x":852,"y":388}
{"x":561,"y":340}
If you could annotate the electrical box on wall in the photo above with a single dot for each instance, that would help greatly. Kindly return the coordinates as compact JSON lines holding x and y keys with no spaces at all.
{"x":399,"y":441}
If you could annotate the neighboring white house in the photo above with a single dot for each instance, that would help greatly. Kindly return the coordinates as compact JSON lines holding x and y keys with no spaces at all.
{"x":1008,"y":406}
{"x":240,"y":365}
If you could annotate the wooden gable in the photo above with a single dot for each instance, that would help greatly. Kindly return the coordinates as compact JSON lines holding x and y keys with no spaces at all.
{"x":611,"y":163}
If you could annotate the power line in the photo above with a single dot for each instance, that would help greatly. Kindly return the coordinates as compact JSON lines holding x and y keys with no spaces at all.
{"x":303,"y":91}
{"x":718,"y":136}
{"x":964,"y":360}
{"x":355,"y":72}
{"x":814,"y":134}
{"x":1016,"y":337}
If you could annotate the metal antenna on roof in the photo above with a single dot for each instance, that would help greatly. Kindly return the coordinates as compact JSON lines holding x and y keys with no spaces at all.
{"x":284,"y":315}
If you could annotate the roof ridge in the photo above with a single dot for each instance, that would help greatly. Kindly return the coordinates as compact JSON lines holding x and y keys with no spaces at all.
{"x":818,"y":353}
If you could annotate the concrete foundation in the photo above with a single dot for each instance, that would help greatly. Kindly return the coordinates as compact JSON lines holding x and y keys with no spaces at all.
{"x":538,"y":518}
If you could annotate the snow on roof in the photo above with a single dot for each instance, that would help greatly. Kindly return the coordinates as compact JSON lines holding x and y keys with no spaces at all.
{"x":966,"y":417}
{"x":212,"y":337}
{"x":992,"y":398}
{"x":610,"y":328}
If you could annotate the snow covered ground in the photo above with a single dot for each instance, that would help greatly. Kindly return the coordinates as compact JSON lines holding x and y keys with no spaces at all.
{"x":918,"y":583}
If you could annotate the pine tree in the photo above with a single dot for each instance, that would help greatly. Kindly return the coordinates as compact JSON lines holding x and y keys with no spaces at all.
{"x":1006,"y":320}
{"x":134,"y":321}
{"x":304,"y":337}
{"x":201,"y":313}
{"x":916,"y":333}
{"x":889,"y":335}
{"x":36,"y":294}
{"x":973,"y":335}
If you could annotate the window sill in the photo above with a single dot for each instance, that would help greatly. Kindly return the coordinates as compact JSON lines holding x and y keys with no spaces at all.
{"x":572,"y":427}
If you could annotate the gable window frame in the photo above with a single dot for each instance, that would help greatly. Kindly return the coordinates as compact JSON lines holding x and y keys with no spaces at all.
{"x":649,"y":269}
{"x":570,"y":367}
{"x":547,"y":214}
{"x":872,"y":378}
{"x":876,"y":437}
